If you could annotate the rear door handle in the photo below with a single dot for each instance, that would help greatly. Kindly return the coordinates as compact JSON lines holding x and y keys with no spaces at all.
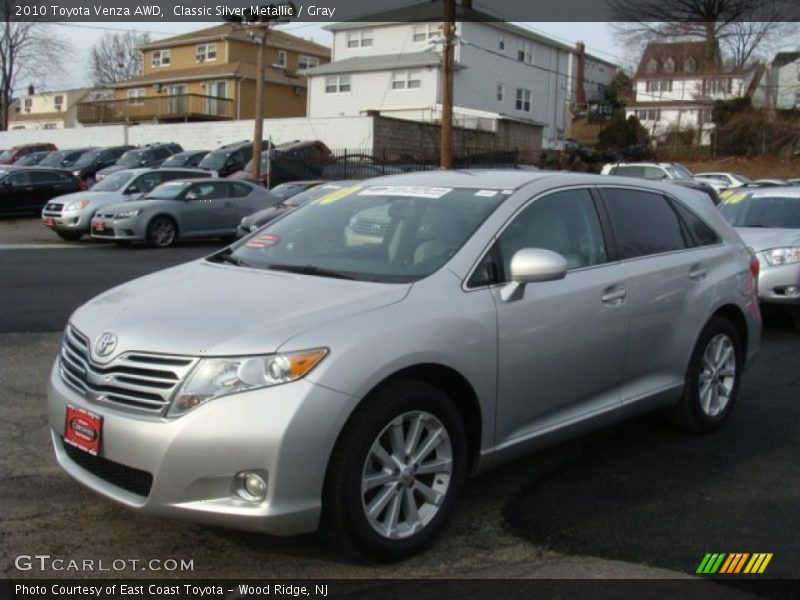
{"x":614,"y":295}
{"x":698,"y":273}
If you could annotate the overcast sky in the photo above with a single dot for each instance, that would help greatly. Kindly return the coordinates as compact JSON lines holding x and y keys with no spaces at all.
{"x":82,"y":36}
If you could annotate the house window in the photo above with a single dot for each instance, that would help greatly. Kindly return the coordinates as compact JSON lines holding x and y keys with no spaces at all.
{"x":690,"y":66}
{"x":523,"y":100}
{"x":525,"y":52}
{"x":501,"y":92}
{"x":50,"y":126}
{"x":360,"y":38}
{"x":160,"y":58}
{"x":281,"y":58}
{"x":718,"y":86}
{"x":501,"y":44}
{"x":204,"y":52}
{"x":307,"y":62}
{"x":134,"y":96}
{"x":406,"y":80}
{"x":337,"y":84}
{"x":425,"y":31}
{"x":797,"y":99}
{"x":59,"y":102}
{"x":669,"y":65}
{"x":28,"y":102}
{"x":652,"y":65}
{"x":18,"y":127}
{"x":649,"y":114}
{"x":658,"y":85}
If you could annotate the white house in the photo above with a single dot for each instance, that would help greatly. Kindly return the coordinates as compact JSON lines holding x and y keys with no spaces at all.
{"x":500,"y":69}
{"x":49,"y":110}
{"x":676,"y":85}
{"x":784,"y":80}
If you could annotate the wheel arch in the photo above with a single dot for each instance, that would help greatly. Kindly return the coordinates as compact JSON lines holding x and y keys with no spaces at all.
{"x":454,"y":385}
{"x":171,"y":217}
{"x":736,"y":316}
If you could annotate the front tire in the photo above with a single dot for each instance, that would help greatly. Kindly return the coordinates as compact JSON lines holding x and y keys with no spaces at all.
{"x":162,"y":232}
{"x":396,"y":473}
{"x":712,"y":379}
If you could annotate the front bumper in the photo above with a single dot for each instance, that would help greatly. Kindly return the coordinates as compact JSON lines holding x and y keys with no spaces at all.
{"x":67,"y":221}
{"x":286,"y":432}
{"x":127,"y":229}
{"x":774,"y":281}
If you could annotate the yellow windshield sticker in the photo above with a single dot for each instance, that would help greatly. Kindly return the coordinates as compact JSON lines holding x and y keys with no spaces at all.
{"x":337,"y":195}
{"x":735,"y":198}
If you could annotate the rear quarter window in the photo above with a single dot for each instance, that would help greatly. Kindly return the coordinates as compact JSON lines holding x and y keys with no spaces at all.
{"x":643,"y":223}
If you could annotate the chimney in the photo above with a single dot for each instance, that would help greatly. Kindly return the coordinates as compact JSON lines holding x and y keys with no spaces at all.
{"x":31,"y":90}
{"x":580,"y":89}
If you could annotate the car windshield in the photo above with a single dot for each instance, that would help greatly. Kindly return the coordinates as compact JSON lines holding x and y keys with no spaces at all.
{"x":214,"y":161}
{"x":113,"y":182}
{"x":677,"y":172}
{"x":313,"y":193}
{"x":54,"y":159}
{"x":132,"y":158}
{"x":177,"y":160}
{"x":7,"y":154}
{"x":763,"y":209}
{"x":167,"y":191}
{"x":369,"y":233}
{"x":86,"y":159}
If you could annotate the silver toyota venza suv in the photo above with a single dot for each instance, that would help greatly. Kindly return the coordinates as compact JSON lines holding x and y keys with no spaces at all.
{"x":347,"y":366}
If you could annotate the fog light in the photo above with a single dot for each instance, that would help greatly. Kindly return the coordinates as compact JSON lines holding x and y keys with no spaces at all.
{"x":251,"y":486}
{"x":791,"y":290}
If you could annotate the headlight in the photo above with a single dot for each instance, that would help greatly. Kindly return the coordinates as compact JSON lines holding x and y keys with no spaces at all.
{"x":215,"y":377}
{"x":77,"y":205}
{"x":782,"y":256}
{"x":128,"y":213}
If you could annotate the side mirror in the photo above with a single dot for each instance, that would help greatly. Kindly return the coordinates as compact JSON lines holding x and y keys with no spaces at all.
{"x":7,"y":184}
{"x":532,"y":265}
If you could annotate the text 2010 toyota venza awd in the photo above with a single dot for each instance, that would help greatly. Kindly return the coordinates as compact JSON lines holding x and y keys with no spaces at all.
{"x":348,"y":365}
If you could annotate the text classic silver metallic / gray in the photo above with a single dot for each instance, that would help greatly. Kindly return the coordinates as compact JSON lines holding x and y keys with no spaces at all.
{"x":345,"y":367}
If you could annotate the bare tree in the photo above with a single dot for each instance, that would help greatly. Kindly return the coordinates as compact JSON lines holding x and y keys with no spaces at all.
{"x":738,"y":26}
{"x":117,"y":57}
{"x":29,"y":50}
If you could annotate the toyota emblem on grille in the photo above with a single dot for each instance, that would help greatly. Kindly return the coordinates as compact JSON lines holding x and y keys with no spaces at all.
{"x":105,"y":343}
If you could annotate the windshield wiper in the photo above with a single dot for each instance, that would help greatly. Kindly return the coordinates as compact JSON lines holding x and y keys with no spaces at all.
{"x":310,"y":270}
{"x":226,"y":256}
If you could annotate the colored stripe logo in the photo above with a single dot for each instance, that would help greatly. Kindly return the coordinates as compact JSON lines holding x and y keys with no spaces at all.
{"x":734,"y":563}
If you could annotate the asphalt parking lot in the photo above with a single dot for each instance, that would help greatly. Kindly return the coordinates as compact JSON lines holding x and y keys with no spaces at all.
{"x":637,"y":500}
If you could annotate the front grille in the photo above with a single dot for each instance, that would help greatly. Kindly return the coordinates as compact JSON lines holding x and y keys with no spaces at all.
{"x":134,"y":380}
{"x":133,"y":480}
{"x":377,"y":227}
{"x":53,"y":209}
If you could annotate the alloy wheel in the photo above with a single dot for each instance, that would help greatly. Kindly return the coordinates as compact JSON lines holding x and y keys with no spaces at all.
{"x":717,"y":375}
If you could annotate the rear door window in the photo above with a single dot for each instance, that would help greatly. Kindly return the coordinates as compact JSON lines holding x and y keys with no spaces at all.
{"x":643,"y":222}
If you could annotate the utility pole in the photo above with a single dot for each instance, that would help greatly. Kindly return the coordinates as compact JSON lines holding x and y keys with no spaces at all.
{"x":449,"y":30}
{"x":261,"y":33}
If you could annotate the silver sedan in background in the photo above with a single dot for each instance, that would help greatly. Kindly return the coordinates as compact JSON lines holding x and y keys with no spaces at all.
{"x":768,"y":220}
{"x":70,"y":215}
{"x":182,"y":209}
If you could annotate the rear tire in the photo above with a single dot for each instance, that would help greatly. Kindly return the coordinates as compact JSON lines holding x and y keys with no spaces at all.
{"x":70,"y":236}
{"x":712,"y":378}
{"x":396,"y":473}
{"x":162,"y":232}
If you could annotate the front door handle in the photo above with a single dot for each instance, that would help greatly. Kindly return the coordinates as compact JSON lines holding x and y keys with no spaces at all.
{"x":698,"y":273}
{"x":614,"y":295}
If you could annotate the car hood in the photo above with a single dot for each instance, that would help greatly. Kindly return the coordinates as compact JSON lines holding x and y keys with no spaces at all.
{"x":134,"y":205}
{"x":96,"y":198}
{"x":207,"y":309}
{"x":263,"y":216}
{"x":759,"y":238}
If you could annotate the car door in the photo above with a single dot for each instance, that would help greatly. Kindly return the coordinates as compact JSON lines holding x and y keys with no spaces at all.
{"x":668,"y":291}
{"x":204,"y":211}
{"x":16,"y":188}
{"x":242,"y":201}
{"x":561,"y":344}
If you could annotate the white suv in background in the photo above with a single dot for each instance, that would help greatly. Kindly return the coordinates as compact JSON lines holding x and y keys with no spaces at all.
{"x":648,"y":170}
